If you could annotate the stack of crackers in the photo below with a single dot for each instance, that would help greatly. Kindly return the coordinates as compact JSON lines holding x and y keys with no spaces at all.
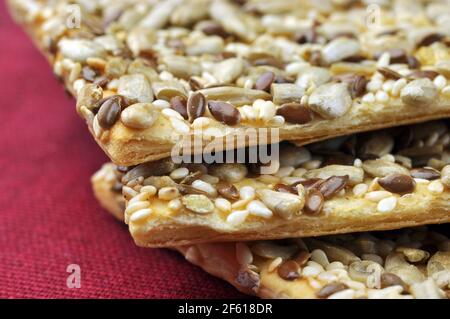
{"x":296,"y":149}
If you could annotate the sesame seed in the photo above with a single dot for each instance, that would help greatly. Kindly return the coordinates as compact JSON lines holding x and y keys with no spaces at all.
{"x":247,"y":193}
{"x":170,"y":113}
{"x":244,"y":255}
{"x":360,"y":189}
{"x":440,"y":81}
{"x":436,"y":187}
{"x":140,"y":215}
{"x":135,"y":207}
{"x":344,"y":294}
{"x":277,"y":121}
{"x":388,"y":157}
{"x":142,"y":197}
{"x":223,"y":204}
{"x":168,"y":193}
{"x":387,"y":204}
{"x":357,"y":163}
{"x":274,"y":264}
{"x":205,"y":187}
{"x":398,"y":86}
{"x":149,"y":189}
{"x":161,"y":104}
{"x":201,"y":122}
{"x":421,"y":181}
{"x":310,"y":271}
{"x":175,"y":205}
{"x":368,"y":98}
{"x":377,"y":196}
{"x":382,"y":96}
{"x":384,"y":60}
{"x":446,"y":90}
{"x":374,"y":85}
{"x":258,"y":208}
{"x":388,"y":85}
{"x":237,"y":217}
{"x":179,"y":173}
{"x":179,"y":125}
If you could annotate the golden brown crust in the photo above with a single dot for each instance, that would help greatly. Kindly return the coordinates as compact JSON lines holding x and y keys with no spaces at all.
{"x":420,"y":212}
{"x":127,"y":146}
{"x":221,"y":260}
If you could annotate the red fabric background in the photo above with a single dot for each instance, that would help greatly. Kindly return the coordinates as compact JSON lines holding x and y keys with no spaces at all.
{"x":48,"y":215}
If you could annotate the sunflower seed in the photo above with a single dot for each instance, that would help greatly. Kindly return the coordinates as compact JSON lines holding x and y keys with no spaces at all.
{"x":421,"y":92}
{"x":330,"y":100}
{"x":139,"y":116}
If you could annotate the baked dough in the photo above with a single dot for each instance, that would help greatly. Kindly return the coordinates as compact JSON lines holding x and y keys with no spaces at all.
{"x":396,"y":185}
{"x":322,"y":272}
{"x":96,"y":62}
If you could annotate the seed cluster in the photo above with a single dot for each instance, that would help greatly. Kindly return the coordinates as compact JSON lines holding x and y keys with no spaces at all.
{"x":243,"y":63}
{"x":381,"y":168}
{"x":405,"y":264}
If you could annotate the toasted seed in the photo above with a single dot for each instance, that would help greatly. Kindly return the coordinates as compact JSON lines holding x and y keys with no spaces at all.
{"x":330,"y":100}
{"x":248,"y":278}
{"x":438,"y":262}
{"x":289,"y":270}
{"x":358,"y":86}
{"x":340,"y":49}
{"x":160,"y":167}
{"x":419,"y":92}
{"x":445,"y":173}
{"x":390,"y":279}
{"x":330,"y":289}
{"x":295,"y":113}
{"x":355,"y":174}
{"x":229,"y":172}
{"x":214,"y":28}
{"x":279,"y":187}
{"x":286,"y":93}
{"x":109,"y":112}
{"x":283,"y":204}
{"x":429,"y":74}
{"x":224,"y":112}
{"x":196,"y":106}
{"x":430,"y":39}
{"x":135,"y":87}
{"x":313,"y":202}
{"x":198,"y":203}
{"x":235,"y":95}
{"x":397,"y":183}
{"x":311,"y":183}
{"x":179,"y":104}
{"x":271,"y":250}
{"x":413,"y":63}
{"x":361,"y":270}
{"x":333,"y":252}
{"x":389,"y":73}
{"x":139,"y":116}
{"x":381,"y":168}
{"x":425,"y":173}
{"x":227,"y":190}
{"x":333,"y":185}
{"x":194,"y":84}
{"x":413,"y":255}
{"x":302,"y":257}
{"x":397,"y":55}
{"x":264,"y":81}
